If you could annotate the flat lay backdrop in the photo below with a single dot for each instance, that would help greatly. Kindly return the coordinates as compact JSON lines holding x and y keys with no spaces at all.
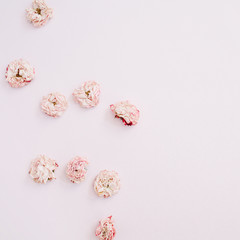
{"x":179,"y":63}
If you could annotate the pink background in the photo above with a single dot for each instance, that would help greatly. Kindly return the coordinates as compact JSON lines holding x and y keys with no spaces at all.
{"x":178,"y":61}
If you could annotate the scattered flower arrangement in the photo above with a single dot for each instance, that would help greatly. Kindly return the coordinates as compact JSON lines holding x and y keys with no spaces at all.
{"x":20,"y":73}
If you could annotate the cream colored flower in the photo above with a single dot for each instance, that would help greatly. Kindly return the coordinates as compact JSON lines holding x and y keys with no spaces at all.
{"x":107,"y":183}
{"x":42,"y":169}
{"x":19,"y":73}
{"x":54,"y":104}
{"x":87,"y":95}
{"x":77,"y":169}
{"x":39,"y":14}
{"x":106,"y":229}
{"x":126,"y":111}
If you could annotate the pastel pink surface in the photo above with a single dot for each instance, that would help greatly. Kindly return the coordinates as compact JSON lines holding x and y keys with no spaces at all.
{"x":178,"y":62}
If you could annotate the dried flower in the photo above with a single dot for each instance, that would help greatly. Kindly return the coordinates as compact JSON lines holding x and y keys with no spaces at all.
{"x":106,"y":229}
{"x":77,"y":169}
{"x":107,"y":183}
{"x":54,"y":104}
{"x":126,"y":111}
{"x":42,"y":169}
{"x":39,"y":14}
{"x":19,"y":73}
{"x":88,"y":94}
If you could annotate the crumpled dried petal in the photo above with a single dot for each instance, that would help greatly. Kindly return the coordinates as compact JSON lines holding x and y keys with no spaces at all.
{"x":77,"y":169}
{"x":42,"y":169}
{"x":54,"y":104}
{"x":107,"y":183}
{"x":126,"y":111}
{"x":87,"y":95}
{"x":106,"y":229}
{"x":39,"y":14}
{"x":19,"y":73}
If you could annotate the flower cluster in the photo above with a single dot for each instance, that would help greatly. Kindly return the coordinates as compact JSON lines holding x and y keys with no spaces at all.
{"x":77,"y":169}
{"x":88,"y":94}
{"x":107,"y":183}
{"x":106,"y":229}
{"x":54,"y":104}
{"x":39,"y":14}
{"x":19,"y":73}
{"x":42,"y":169}
{"x":126,"y":111}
